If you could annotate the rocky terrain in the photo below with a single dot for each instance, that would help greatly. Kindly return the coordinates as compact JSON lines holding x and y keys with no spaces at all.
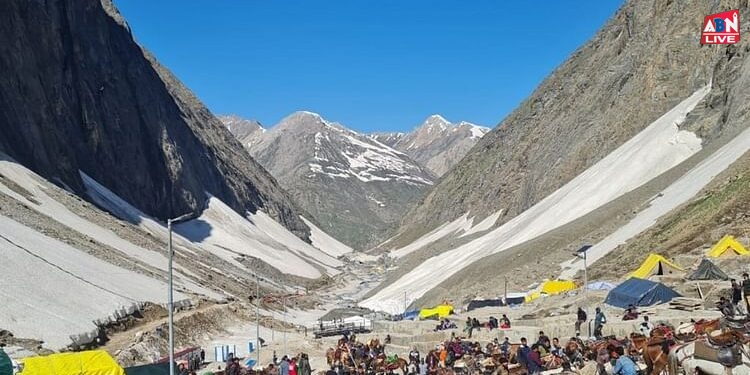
{"x":571,"y":122}
{"x":248,"y":132}
{"x":355,"y":188}
{"x":609,"y":89}
{"x":437,"y":144}
{"x":80,"y":95}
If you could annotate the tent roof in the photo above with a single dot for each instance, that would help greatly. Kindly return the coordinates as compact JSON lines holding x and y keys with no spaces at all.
{"x":478,"y":303}
{"x":601,"y":285}
{"x":707,"y":270}
{"x":152,"y":369}
{"x":726,"y":243}
{"x":651,"y":262}
{"x":92,"y":362}
{"x":440,"y":311}
{"x":557,"y":286}
{"x":6,"y":366}
{"x":639,"y":292}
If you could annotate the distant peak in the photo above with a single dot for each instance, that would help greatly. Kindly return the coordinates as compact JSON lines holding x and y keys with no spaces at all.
{"x":436,"y":118}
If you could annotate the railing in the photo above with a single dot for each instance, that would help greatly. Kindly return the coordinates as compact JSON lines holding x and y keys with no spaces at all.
{"x":335,"y":329}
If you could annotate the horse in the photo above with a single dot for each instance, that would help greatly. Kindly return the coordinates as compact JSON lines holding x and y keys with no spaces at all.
{"x":383,"y":365}
{"x":656,"y":355}
{"x":703,"y":326}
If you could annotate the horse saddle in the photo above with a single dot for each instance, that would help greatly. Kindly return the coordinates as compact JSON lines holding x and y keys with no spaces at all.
{"x":730,"y":356}
{"x":721,"y":339}
{"x":391,"y":359}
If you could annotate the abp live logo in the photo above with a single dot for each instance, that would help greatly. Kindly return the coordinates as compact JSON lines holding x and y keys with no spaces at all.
{"x":721,"y":28}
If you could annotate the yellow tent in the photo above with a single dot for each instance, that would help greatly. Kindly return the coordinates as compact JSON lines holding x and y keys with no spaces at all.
{"x":726,"y":243}
{"x":437,"y":312}
{"x":532,"y":296}
{"x":553,"y":287}
{"x":656,"y":265}
{"x":93,"y":362}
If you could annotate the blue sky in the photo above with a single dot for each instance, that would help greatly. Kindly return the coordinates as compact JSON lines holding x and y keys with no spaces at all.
{"x":372,"y":65}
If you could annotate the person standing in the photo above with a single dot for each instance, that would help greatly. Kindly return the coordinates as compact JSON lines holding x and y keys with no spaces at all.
{"x":599,"y":321}
{"x":746,"y":290}
{"x":737,"y":296}
{"x":581,"y":318}
{"x":414,"y":355}
{"x":523,"y":353}
{"x":646,"y":327}
{"x":304,"y":365}
{"x":284,"y":366}
{"x":422,"y":367}
{"x":293,"y":366}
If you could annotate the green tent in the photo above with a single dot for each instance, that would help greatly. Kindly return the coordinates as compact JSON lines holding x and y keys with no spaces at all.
{"x":6,"y":366}
{"x":153,"y":369}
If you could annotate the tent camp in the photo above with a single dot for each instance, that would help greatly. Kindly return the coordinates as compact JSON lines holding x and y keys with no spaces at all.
{"x":532,"y":295}
{"x":708,"y":271}
{"x":639,"y":292}
{"x":410,"y":315}
{"x":479,"y":303}
{"x":92,"y":362}
{"x":437,"y":312}
{"x":6,"y":366}
{"x":553,"y":287}
{"x":601,"y":285}
{"x":656,"y":264}
{"x":727,"y":243}
{"x":152,"y":369}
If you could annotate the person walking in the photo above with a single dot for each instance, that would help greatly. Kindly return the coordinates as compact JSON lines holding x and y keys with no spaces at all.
{"x":746,"y":290}
{"x":469,"y":326}
{"x":581,"y":318}
{"x":599,"y":321}
{"x":304,"y":365}
{"x":284,"y":366}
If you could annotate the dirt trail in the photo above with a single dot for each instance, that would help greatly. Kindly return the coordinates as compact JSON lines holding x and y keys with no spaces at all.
{"x":122,"y":339}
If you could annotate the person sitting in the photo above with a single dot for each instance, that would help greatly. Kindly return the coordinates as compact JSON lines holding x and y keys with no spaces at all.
{"x":534,"y":362}
{"x":624,"y":364}
{"x":505,"y":322}
{"x":631,"y":313}
{"x":387,"y":339}
{"x":505,"y":346}
{"x":725,"y":306}
{"x":556,"y":349}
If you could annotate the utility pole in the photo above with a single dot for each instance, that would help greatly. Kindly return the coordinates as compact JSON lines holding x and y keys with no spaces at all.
{"x":170,"y":296}
{"x":405,"y":301}
{"x":257,"y":318}
{"x":283,"y":299}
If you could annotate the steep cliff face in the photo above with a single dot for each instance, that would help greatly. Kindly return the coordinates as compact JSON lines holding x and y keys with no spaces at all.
{"x":78,"y":93}
{"x":645,"y":60}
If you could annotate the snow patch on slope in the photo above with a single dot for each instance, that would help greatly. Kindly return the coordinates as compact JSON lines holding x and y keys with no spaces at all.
{"x":51,"y":289}
{"x":325,"y":242}
{"x":676,"y":194}
{"x":651,"y":152}
{"x":230,"y":236}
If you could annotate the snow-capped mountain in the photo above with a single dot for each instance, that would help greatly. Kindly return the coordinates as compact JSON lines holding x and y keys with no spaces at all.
{"x":248,"y":132}
{"x":355,"y":187}
{"x":437,"y":144}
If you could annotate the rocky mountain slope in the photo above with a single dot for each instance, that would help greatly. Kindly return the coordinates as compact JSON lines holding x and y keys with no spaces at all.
{"x":99,"y":144}
{"x":614,"y":141}
{"x":605,"y":93}
{"x":354,"y":187}
{"x":437,"y":144}
{"x":248,"y":132}
{"x":80,"y":95}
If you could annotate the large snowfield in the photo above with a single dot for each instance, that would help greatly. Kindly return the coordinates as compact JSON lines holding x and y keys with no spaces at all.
{"x":656,"y":149}
{"x":56,"y":292}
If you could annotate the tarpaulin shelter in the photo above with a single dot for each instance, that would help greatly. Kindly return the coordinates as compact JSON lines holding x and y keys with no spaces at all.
{"x":515,"y":298}
{"x":437,"y":312}
{"x":532,"y":295}
{"x":727,"y":243}
{"x":6,"y":366}
{"x":656,"y":264}
{"x":410,"y":315}
{"x":707,"y":270}
{"x":479,"y":303}
{"x":553,"y":287}
{"x":92,"y":362}
{"x":152,"y":369}
{"x":639,"y":292}
{"x":601,"y":285}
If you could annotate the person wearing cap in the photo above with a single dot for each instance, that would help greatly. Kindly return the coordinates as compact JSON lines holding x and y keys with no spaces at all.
{"x":284,"y":366}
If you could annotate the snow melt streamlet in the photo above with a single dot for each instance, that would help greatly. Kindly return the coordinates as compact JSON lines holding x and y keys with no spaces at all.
{"x":651,"y":152}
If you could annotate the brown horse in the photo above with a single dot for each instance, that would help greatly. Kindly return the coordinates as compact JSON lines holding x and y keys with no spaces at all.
{"x":381,"y":365}
{"x":655,"y":354}
{"x":704,"y":327}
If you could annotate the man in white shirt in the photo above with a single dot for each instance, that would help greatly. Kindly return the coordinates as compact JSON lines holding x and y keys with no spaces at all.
{"x":646,"y":327}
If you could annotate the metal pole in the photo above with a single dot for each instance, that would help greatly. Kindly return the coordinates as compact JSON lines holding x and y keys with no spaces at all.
{"x":405,"y":301}
{"x":257,"y":319}
{"x":170,"y":301}
{"x":585,"y":278}
{"x":284,"y":321}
